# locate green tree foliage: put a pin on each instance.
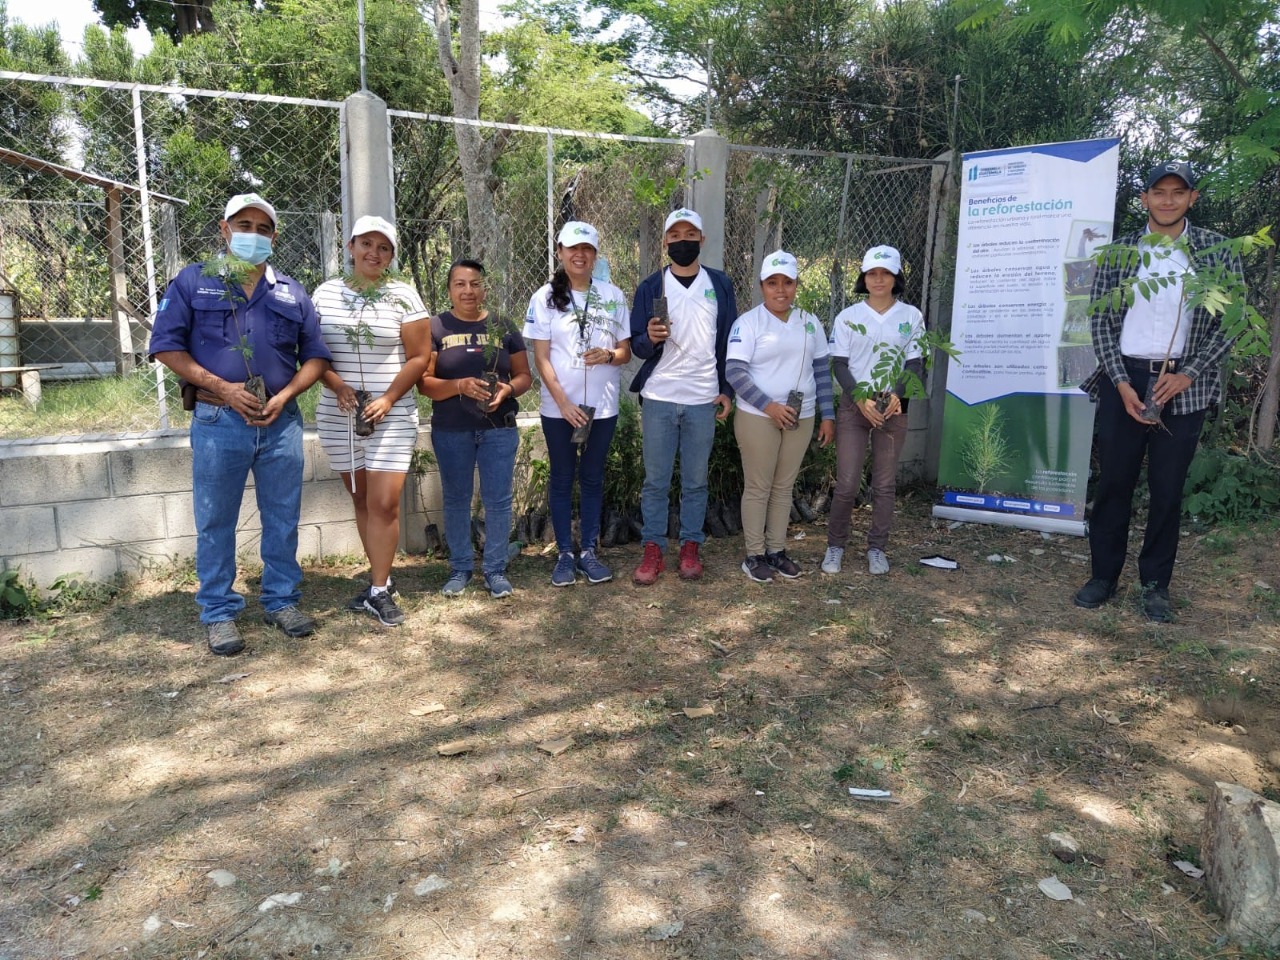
(175, 20)
(28, 115)
(849, 74)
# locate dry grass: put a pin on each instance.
(994, 711)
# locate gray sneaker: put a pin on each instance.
(498, 584)
(833, 561)
(456, 583)
(563, 575)
(291, 620)
(225, 639)
(877, 562)
(596, 571)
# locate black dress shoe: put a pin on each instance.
(1156, 606)
(1095, 593)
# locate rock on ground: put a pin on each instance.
(1240, 846)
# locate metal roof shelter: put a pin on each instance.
(120, 307)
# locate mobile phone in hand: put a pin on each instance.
(660, 312)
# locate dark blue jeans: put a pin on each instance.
(586, 462)
(224, 451)
(458, 453)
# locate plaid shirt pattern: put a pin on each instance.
(1206, 344)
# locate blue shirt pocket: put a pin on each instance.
(286, 324)
(212, 324)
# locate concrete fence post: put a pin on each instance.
(707, 192)
(367, 184)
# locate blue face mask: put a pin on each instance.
(251, 247)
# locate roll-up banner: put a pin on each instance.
(1017, 430)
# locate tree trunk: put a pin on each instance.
(1269, 405)
(475, 154)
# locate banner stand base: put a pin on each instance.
(1075, 528)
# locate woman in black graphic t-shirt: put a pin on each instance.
(473, 423)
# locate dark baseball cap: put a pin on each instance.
(1171, 168)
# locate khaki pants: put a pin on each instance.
(853, 431)
(770, 461)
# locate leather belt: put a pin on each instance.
(1151, 366)
(204, 396)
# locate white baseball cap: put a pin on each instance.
(575, 232)
(779, 262)
(883, 256)
(684, 214)
(242, 201)
(371, 224)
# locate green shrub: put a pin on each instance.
(1225, 487)
(17, 599)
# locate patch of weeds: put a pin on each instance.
(973, 738)
(1039, 799)
(858, 879)
(18, 599)
(1220, 542)
(1266, 600)
(93, 893)
(1191, 646)
(867, 771)
(72, 595)
(1106, 624)
(38, 638)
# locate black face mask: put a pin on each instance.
(684, 252)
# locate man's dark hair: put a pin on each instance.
(468, 264)
(860, 285)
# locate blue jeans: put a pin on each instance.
(224, 449)
(667, 427)
(586, 462)
(458, 453)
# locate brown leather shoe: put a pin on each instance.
(690, 562)
(647, 573)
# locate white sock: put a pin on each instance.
(375, 591)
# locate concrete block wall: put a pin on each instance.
(100, 508)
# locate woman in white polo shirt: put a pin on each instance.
(581, 336)
(776, 351)
(874, 338)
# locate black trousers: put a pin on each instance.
(1122, 445)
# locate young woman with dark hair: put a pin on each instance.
(581, 336)
(880, 331)
(478, 368)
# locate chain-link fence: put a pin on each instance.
(174, 155)
(827, 210)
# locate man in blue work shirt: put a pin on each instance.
(225, 328)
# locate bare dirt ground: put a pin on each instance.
(135, 765)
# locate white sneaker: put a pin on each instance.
(877, 562)
(832, 562)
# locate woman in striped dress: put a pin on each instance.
(379, 334)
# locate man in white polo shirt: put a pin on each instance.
(682, 387)
(1131, 345)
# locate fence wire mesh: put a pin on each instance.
(827, 210)
(196, 148)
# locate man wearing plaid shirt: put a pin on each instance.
(1131, 345)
